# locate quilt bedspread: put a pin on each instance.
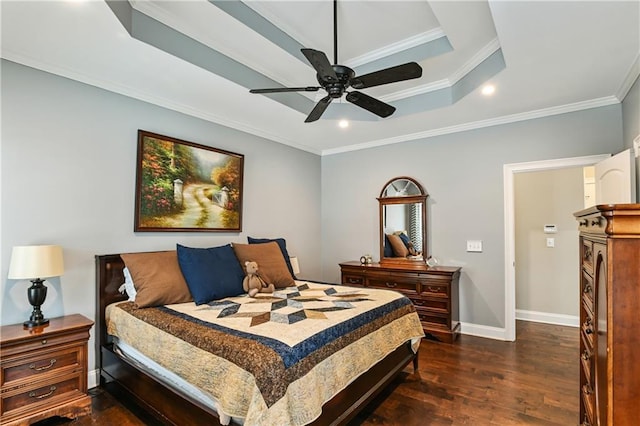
(276, 358)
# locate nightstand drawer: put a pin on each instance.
(42, 343)
(41, 396)
(40, 364)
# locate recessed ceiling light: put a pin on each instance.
(489, 89)
(343, 124)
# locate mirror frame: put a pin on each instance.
(385, 200)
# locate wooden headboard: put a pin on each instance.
(109, 277)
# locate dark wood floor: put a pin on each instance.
(475, 381)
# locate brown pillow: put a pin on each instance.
(399, 249)
(157, 278)
(271, 265)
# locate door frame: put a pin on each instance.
(509, 170)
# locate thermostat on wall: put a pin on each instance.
(550, 229)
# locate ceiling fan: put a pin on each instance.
(335, 79)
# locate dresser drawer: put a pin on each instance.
(587, 290)
(40, 364)
(434, 319)
(434, 289)
(433, 305)
(586, 254)
(351, 279)
(41, 396)
(588, 401)
(587, 327)
(394, 283)
(586, 360)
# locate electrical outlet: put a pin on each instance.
(474, 245)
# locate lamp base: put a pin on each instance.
(36, 323)
(37, 294)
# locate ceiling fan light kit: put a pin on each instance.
(336, 79)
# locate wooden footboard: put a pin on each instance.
(125, 380)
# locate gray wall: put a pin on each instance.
(68, 177)
(546, 278)
(463, 174)
(631, 125)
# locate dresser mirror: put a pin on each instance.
(403, 221)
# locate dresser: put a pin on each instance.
(433, 291)
(43, 370)
(609, 314)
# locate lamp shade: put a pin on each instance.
(29, 262)
(295, 265)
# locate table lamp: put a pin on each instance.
(34, 263)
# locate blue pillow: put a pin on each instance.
(282, 243)
(405, 239)
(211, 273)
(388, 250)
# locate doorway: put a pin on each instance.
(509, 170)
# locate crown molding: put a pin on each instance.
(393, 48)
(513, 118)
(630, 78)
(479, 57)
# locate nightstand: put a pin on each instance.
(43, 370)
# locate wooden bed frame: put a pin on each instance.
(125, 380)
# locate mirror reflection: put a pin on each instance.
(402, 221)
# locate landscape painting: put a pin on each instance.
(184, 186)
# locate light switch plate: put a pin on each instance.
(551, 242)
(474, 245)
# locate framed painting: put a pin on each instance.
(183, 186)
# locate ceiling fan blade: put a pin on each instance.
(373, 105)
(321, 64)
(317, 111)
(286, 89)
(403, 72)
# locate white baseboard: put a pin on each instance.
(486, 331)
(92, 378)
(548, 318)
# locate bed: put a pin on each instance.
(129, 377)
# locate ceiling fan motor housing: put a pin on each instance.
(336, 89)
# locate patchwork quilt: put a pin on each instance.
(276, 358)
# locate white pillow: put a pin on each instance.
(128, 285)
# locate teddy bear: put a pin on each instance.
(253, 283)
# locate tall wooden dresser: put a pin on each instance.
(433, 291)
(609, 314)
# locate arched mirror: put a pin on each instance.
(403, 221)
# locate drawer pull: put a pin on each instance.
(44, 367)
(433, 289)
(587, 326)
(586, 389)
(595, 222)
(52, 389)
(392, 285)
(586, 355)
(354, 280)
(44, 341)
(584, 222)
(587, 289)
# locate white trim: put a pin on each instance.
(485, 331)
(509, 229)
(479, 57)
(393, 48)
(548, 318)
(630, 78)
(513, 118)
(93, 377)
